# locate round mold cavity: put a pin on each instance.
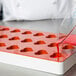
(13, 47)
(15, 38)
(28, 49)
(40, 42)
(27, 32)
(55, 55)
(27, 40)
(39, 34)
(51, 36)
(41, 52)
(4, 29)
(3, 36)
(68, 46)
(16, 30)
(2, 44)
(52, 45)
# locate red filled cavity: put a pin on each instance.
(40, 42)
(13, 47)
(4, 29)
(2, 44)
(68, 46)
(27, 50)
(51, 36)
(62, 37)
(27, 40)
(3, 36)
(55, 55)
(52, 45)
(39, 34)
(15, 38)
(16, 30)
(40, 52)
(27, 32)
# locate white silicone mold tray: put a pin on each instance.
(41, 46)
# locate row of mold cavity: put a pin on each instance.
(40, 52)
(28, 32)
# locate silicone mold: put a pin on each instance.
(34, 49)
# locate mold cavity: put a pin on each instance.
(68, 46)
(55, 55)
(16, 30)
(2, 44)
(3, 36)
(27, 32)
(15, 38)
(4, 29)
(40, 42)
(13, 47)
(51, 36)
(27, 40)
(52, 45)
(62, 37)
(39, 34)
(40, 52)
(27, 50)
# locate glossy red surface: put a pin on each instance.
(41, 45)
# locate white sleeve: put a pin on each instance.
(29, 9)
(74, 9)
(63, 8)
